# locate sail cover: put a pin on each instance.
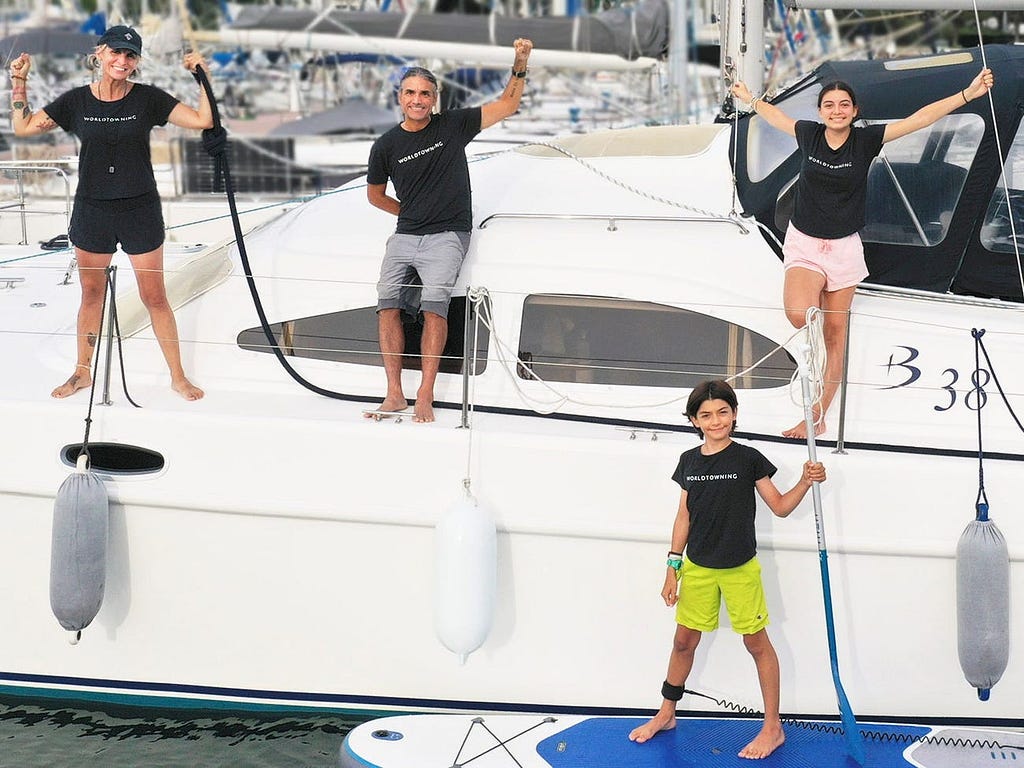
(639, 31)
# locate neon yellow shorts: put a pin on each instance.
(701, 591)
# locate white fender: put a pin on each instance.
(78, 556)
(466, 576)
(983, 605)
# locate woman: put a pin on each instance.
(823, 254)
(116, 201)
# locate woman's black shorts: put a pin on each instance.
(137, 223)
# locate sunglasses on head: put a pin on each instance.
(130, 54)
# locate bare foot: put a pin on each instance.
(660, 722)
(423, 413)
(187, 389)
(390, 405)
(80, 379)
(767, 741)
(799, 430)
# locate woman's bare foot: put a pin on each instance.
(187, 389)
(799, 430)
(80, 379)
(660, 722)
(767, 741)
(390, 405)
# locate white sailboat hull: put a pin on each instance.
(284, 554)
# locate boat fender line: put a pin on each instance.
(466, 576)
(78, 544)
(982, 580)
(215, 142)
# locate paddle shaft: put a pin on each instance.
(851, 732)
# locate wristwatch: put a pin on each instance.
(519, 74)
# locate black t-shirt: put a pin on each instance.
(430, 172)
(720, 498)
(831, 193)
(114, 160)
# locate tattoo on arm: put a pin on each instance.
(91, 338)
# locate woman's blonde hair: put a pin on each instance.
(92, 61)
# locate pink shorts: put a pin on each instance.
(840, 261)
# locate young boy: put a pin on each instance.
(715, 527)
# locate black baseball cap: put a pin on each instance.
(122, 37)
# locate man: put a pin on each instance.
(424, 157)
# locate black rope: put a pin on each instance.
(981, 502)
(882, 737)
(95, 371)
(215, 142)
(995, 380)
(117, 335)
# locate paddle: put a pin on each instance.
(854, 740)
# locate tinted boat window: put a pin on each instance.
(996, 233)
(595, 340)
(350, 336)
(768, 147)
(914, 186)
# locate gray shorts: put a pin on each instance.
(419, 272)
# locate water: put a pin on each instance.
(34, 734)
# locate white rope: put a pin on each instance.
(999, 156)
(817, 360)
(475, 297)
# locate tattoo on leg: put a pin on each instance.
(26, 112)
(91, 338)
(19, 104)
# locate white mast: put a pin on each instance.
(678, 62)
(743, 58)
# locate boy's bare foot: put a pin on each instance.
(660, 722)
(187, 389)
(423, 413)
(767, 741)
(799, 430)
(80, 379)
(390, 405)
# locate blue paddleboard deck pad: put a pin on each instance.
(503, 741)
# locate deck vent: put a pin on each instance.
(116, 459)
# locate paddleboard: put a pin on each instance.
(507, 741)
